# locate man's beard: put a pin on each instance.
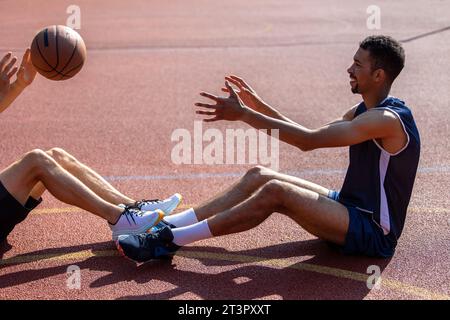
(355, 89)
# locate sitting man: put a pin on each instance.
(70, 181)
(368, 214)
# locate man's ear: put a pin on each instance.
(379, 75)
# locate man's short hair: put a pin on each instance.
(386, 53)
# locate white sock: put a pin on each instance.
(182, 219)
(192, 233)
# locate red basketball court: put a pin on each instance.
(146, 64)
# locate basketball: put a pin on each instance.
(58, 52)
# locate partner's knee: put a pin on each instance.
(34, 157)
(61, 156)
(37, 160)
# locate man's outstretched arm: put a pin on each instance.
(369, 125)
(252, 100)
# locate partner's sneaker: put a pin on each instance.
(166, 205)
(134, 221)
(147, 246)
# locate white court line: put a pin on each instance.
(299, 173)
(414, 209)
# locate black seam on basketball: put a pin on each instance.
(65, 74)
(57, 49)
(42, 69)
(76, 67)
(53, 70)
(58, 74)
(55, 75)
(42, 56)
(73, 53)
(47, 71)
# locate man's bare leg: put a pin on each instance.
(37, 166)
(246, 186)
(86, 175)
(317, 214)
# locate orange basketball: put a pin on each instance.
(58, 52)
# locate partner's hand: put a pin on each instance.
(27, 72)
(231, 108)
(6, 73)
(246, 93)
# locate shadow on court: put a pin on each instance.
(243, 281)
(4, 248)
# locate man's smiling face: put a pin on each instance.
(360, 72)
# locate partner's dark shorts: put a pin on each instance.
(364, 236)
(12, 211)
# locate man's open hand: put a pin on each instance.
(245, 92)
(231, 108)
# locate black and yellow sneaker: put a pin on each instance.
(148, 246)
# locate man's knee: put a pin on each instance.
(272, 192)
(257, 176)
(274, 187)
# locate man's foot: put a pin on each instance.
(147, 246)
(133, 221)
(166, 205)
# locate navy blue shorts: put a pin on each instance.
(12, 211)
(364, 236)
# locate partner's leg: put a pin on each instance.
(37, 166)
(37, 191)
(86, 175)
(317, 214)
(246, 186)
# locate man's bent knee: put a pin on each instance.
(257, 176)
(274, 187)
(259, 171)
(271, 193)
